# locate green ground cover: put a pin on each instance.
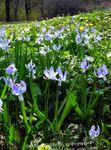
(55, 83)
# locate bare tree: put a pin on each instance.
(7, 8)
(15, 5)
(27, 9)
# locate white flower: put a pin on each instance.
(31, 67)
(62, 77)
(50, 74)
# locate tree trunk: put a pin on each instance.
(27, 9)
(16, 10)
(7, 8)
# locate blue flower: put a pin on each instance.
(97, 38)
(11, 69)
(2, 32)
(4, 44)
(50, 74)
(27, 38)
(8, 81)
(56, 47)
(93, 29)
(102, 71)
(62, 77)
(31, 67)
(48, 37)
(78, 38)
(18, 88)
(84, 65)
(94, 132)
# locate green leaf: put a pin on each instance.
(13, 136)
(1, 117)
(72, 98)
(35, 90)
(11, 133)
(66, 110)
(105, 140)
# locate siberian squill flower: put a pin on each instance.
(43, 51)
(10, 70)
(50, 74)
(94, 132)
(18, 89)
(84, 65)
(56, 47)
(2, 32)
(102, 72)
(97, 38)
(43, 29)
(62, 77)
(27, 38)
(31, 67)
(48, 37)
(8, 81)
(4, 44)
(78, 39)
(1, 104)
(93, 29)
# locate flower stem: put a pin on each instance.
(24, 116)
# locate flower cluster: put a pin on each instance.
(4, 42)
(16, 88)
(84, 65)
(100, 72)
(83, 37)
(50, 74)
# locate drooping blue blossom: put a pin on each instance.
(48, 37)
(10, 70)
(2, 32)
(39, 40)
(52, 27)
(31, 67)
(76, 29)
(27, 38)
(43, 29)
(56, 47)
(50, 74)
(86, 29)
(1, 104)
(4, 44)
(62, 77)
(97, 38)
(8, 81)
(102, 72)
(94, 132)
(85, 36)
(93, 29)
(84, 65)
(44, 50)
(18, 89)
(78, 39)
